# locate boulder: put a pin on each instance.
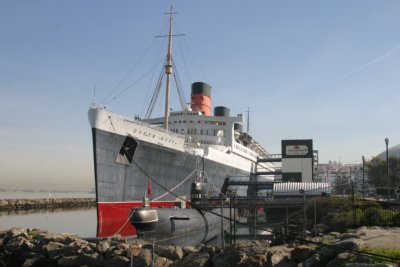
(348, 236)
(171, 252)
(119, 261)
(335, 234)
(340, 259)
(278, 258)
(302, 252)
(68, 261)
(162, 262)
(53, 249)
(189, 250)
(208, 249)
(200, 259)
(31, 261)
(103, 245)
(134, 250)
(228, 258)
(362, 231)
(313, 261)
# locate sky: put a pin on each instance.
(321, 70)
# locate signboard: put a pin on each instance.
(297, 148)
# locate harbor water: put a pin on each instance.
(80, 221)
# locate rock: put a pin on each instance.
(102, 246)
(162, 262)
(227, 258)
(250, 262)
(278, 258)
(53, 249)
(32, 261)
(119, 261)
(302, 252)
(208, 249)
(201, 259)
(118, 252)
(352, 243)
(89, 259)
(362, 231)
(134, 250)
(334, 234)
(171, 252)
(122, 246)
(189, 250)
(45, 261)
(146, 256)
(252, 248)
(15, 244)
(340, 259)
(68, 261)
(348, 236)
(55, 237)
(313, 261)
(13, 233)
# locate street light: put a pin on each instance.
(363, 166)
(302, 191)
(387, 167)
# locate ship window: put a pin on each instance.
(127, 151)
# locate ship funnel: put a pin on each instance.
(221, 111)
(201, 98)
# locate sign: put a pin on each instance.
(296, 150)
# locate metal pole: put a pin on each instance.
(230, 220)
(302, 191)
(234, 217)
(315, 218)
(352, 198)
(387, 166)
(287, 220)
(255, 222)
(363, 168)
(222, 224)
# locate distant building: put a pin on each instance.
(341, 176)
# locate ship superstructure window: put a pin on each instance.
(127, 151)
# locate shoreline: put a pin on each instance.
(45, 203)
(34, 247)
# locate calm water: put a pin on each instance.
(82, 222)
(33, 195)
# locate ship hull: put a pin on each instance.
(121, 187)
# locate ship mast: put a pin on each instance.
(168, 70)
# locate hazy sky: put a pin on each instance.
(325, 70)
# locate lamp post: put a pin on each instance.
(363, 168)
(304, 234)
(387, 167)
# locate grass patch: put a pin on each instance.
(388, 252)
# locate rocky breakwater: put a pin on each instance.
(50, 203)
(32, 247)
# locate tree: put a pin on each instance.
(376, 170)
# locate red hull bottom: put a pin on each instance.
(113, 217)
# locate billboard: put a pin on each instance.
(297, 160)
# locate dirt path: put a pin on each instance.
(382, 237)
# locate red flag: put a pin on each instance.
(148, 186)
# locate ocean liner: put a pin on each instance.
(160, 157)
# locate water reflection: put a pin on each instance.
(38, 211)
(80, 221)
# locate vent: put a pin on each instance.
(127, 151)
